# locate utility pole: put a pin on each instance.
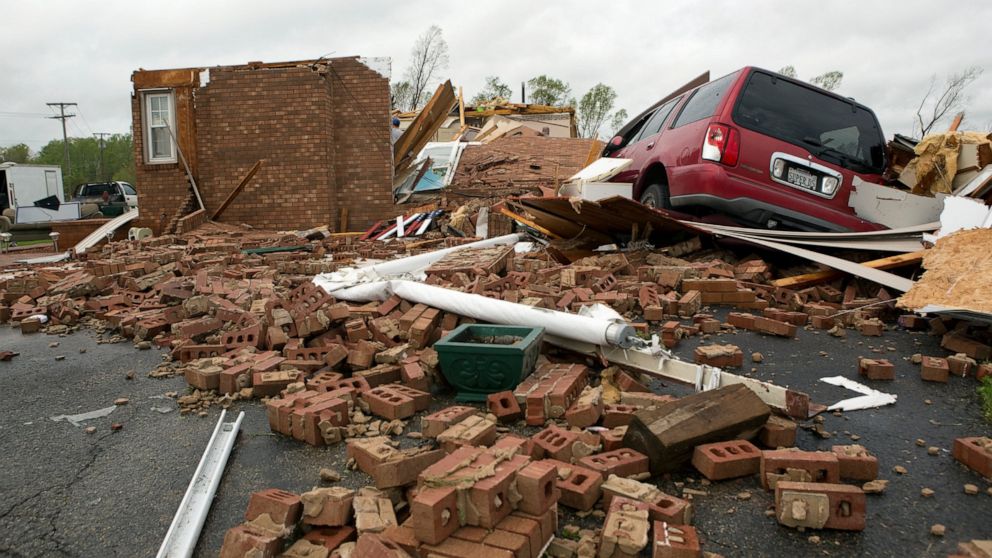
(65, 137)
(99, 136)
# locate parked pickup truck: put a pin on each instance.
(767, 150)
(116, 192)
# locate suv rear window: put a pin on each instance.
(704, 101)
(832, 129)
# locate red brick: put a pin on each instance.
(975, 453)
(622, 462)
(283, 508)
(243, 540)
(856, 463)
(774, 327)
(504, 405)
(434, 514)
(675, 541)
(580, 487)
(934, 369)
(329, 507)
(536, 485)
(618, 415)
(727, 460)
(555, 443)
(876, 369)
(802, 504)
(958, 343)
(778, 432)
(434, 424)
(816, 466)
(373, 545)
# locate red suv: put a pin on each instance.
(767, 150)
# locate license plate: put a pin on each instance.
(801, 178)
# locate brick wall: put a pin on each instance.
(323, 133)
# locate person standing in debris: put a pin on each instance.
(395, 132)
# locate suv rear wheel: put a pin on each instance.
(656, 196)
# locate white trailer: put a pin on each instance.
(22, 185)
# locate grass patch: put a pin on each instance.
(985, 390)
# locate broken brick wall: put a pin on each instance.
(322, 130)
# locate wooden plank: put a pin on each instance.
(237, 190)
(527, 222)
(818, 277)
(424, 126)
(151, 79)
(667, 434)
(956, 122)
(343, 220)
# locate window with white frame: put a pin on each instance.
(160, 125)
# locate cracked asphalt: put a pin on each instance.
(64, 492)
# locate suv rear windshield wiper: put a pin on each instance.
(844, 157)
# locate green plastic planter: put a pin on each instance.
(476, 365)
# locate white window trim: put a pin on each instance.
(146, 96)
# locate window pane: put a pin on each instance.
(704, 102)
(161, 147)
(835, 129)
(654, 125)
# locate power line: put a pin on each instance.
(65, 137)
(13, 114)
(85, 122)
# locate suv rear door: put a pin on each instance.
(795, 136)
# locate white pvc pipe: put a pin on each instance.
(597, 331)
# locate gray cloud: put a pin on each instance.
(85, 52)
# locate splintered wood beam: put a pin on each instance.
(237, 190)
(817, 277)
(528, 222)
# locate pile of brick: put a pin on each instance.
(241, 319)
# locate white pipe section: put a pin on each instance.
(332, 282)
(597, 331)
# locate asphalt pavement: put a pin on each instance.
(64, 492)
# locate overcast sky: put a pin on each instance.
(85, 52)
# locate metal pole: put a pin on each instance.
(65, 136)
(100, 135)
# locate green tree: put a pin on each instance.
(84, 157)
(617, 121)
(19, 153)
(494, 89)
(400, 94)
(545, 90)
(594, 108)
(827, 80)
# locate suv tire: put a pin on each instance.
(656, 196)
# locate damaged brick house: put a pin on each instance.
(320, 126)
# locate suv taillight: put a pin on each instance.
(722, 144)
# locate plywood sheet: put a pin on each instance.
(958, 274)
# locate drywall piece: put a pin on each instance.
(76, 420)
(870, 398)
(883, 278)
(975, 185)
(601, 170)
(594, 191)
(892, 207)
(898, 245)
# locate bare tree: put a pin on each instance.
(429, 58)
(934, 108)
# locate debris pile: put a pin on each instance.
(241, 318)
